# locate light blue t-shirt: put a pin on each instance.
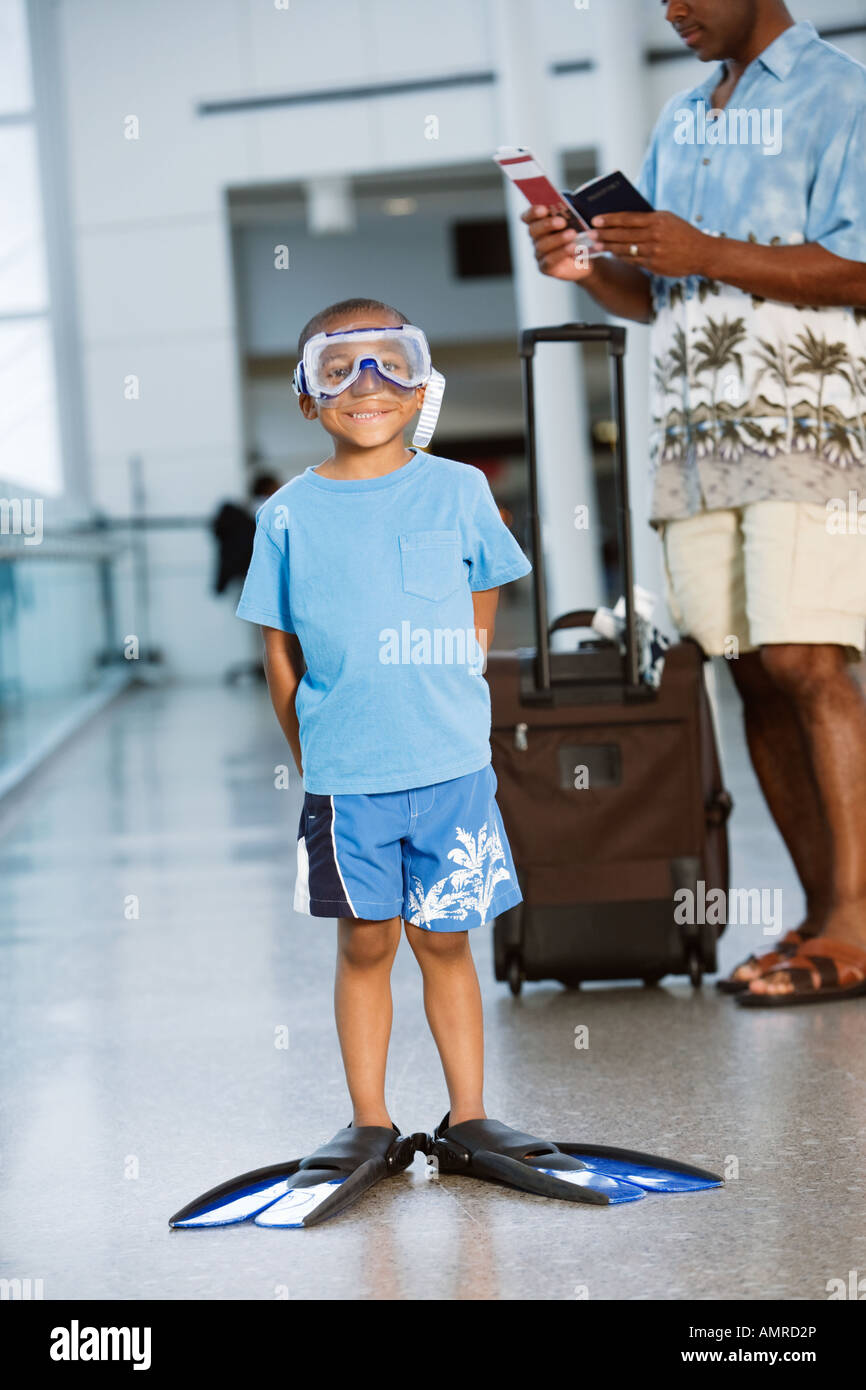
(375, 576)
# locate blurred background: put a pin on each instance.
(184, 184)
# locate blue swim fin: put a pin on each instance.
(304, 1191)
(650, 1172)
(592, 1173)
(494, 1152)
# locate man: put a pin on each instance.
(748, 273)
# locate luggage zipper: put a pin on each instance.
(520, 740)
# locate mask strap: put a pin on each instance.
(433, 394)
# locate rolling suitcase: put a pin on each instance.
(610, 789)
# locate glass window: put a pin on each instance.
(22, 260)
(16, 93)
(29, 445)
(29, 438)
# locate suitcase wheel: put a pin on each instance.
(515, 975)
(696, 969)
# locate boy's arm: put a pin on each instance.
(284, 667)
(484, 602)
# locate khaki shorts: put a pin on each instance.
(767, 572)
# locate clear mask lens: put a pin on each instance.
(386, 362)
(366, 376)
(334, 362)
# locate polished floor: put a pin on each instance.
(165, 1022)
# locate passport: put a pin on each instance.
(610, 193)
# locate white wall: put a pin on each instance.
(405, 260)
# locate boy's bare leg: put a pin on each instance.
(363, 1010)
(452, 1002)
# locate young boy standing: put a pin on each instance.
(362, 565)
(375, 577)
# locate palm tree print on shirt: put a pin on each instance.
(752, 398)
(468, 888)
(857, 369)
(672, 376)
(665, 376)
(841, 446)
(819, 359)
(796, 369)
(717, 345)
(775, 362)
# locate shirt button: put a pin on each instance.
(705, 160)
(699, 218)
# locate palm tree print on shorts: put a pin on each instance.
(468, 888)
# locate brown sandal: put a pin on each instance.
(822, 970)
(787, 947)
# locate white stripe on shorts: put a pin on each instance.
(336, 860)
(302, 879)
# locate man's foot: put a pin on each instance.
(756, 966)
(831, 965)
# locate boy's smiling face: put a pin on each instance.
(371, 412)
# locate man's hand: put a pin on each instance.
(659, 242)
(556, 245)
(623, 290)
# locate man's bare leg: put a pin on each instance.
(780, 756)
(364, 1011)
(452, 1002)
(831, 709)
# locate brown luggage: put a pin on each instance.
(610, 790)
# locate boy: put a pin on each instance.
(374, 537)
(380, 569)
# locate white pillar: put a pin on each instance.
(573, 567)
(622, 94)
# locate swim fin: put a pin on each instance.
(304, 1191)
(589, 1173)
(651, 1172)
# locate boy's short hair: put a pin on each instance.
(319, 322)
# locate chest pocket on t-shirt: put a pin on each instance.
(431, 562)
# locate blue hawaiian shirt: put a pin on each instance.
(754, 399)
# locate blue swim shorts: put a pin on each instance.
(438, 855)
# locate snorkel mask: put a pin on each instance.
(400, 357)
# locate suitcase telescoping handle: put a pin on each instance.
(614, 337)
(581, 617)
